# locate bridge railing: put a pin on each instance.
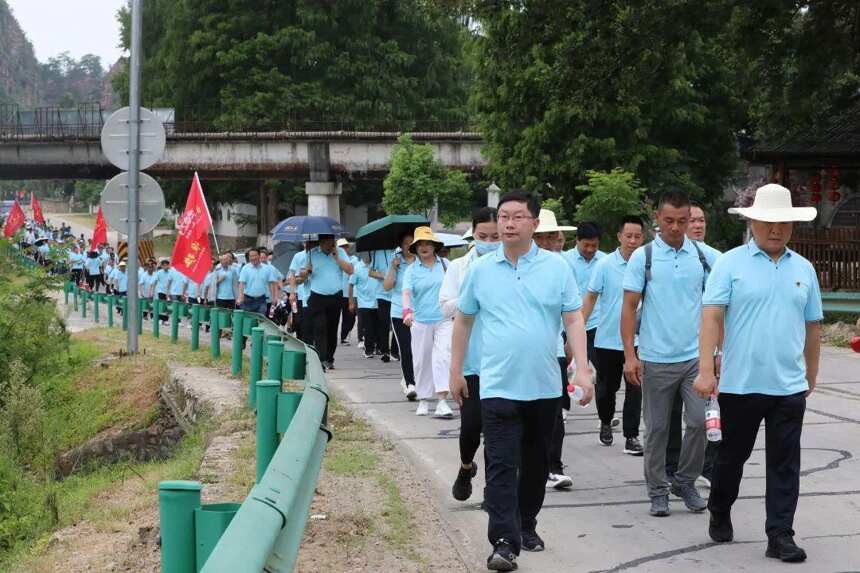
(264, 531)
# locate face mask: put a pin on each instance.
(484, 247)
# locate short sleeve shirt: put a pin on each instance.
(363, 287)
(396, 292)
(162, 277)
(225, 289)
(767, 305)
(672, 309)
(256, 279)
(582, 270)
(380, 261)
(606, 281)
(300, 261)
(520, 308)
(93, 265)
(424, 283)
(326, 277)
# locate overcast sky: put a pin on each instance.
(75, 26)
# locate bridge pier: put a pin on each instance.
(324, 198)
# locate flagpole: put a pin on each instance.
(208, 214)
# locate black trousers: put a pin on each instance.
(94, 281)
(367, 328)
(404, 343)
(517, 436)
(589, 338)
(741, 415)
(555, 464)
(347, 319)
(225, 303)
(470, 420)
(610, 371)
(383, 320)
(673, 446)
(324, 311)
(303, 325)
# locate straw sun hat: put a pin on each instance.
(772, 204)
(424, 234)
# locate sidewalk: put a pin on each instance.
(603, 524)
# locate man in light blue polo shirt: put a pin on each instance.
(299, 279)
(326, 264)
(226, 282)
(380, 261)
(518, 293)
(347, 318)
(361, 292)
(768, 299)
(668, 347)
(177, 285)
(583, 259)
(605, 283)
(255, 280)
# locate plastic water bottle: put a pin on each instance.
(712, 420)
(576, 392)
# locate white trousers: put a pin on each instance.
(431, 357)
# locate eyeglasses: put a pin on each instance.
(518, 218)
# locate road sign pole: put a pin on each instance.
(134, 170)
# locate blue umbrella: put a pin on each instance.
(305, 227)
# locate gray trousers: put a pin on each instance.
(660, 384)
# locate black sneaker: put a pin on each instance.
(328, 365)
(782, 547)
(690, 495)
(633, 447)
(606, 434)
(503, 557)
(531, 541)
(720, 528)
(659, 506)
(462, 489)
(385, 358)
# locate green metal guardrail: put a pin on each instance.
(264, 532)
(841, 302)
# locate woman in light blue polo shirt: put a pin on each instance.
(393, 283)
(431, 332)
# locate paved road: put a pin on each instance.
(602, 524)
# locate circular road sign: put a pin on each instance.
(115, 134)
(114, 203)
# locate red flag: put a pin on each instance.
(191, 255)
(14, 220)
(100, 232)
(37, 209)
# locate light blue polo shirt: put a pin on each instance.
(224, 289)
(672, 310)
(256, 279)
(345, 281)
(178, 281)
(93, 265)
(161, 279)
(326, 277)
(396, 291)
(582, 270)
(120, 279)
(767, 307)
(76, 260)
(606, 281)
(363, 287)
(380, 261)
(424, 284)
(708, 250)
(147, 281)
(299, 261)
(520, 308)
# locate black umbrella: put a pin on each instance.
(384, 233)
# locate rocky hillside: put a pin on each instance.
(20, 72)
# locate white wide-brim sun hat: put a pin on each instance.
(772, 204)
(547, 223)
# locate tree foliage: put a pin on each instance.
(609, 197)
(416, 182)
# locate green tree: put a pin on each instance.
(416, 182)
(609, 197)
(646, 86)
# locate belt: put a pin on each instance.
(255, 297)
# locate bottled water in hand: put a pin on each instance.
(713, 428)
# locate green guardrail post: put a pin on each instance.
(75, 297)
(238, 343)
(145, 305)
(174, 321)
(293, 365)
(111, 301)
(177, 501)
(84, 296)
(267, 423)
(97, 299)
(157, 304)
(256, 369)
(124, 306)
(288, 403)
(195, 327)
(274, 356)
(210, 522)
(66, 294)
(214, 333)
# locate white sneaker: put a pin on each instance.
(559, 481)
(361, 344)
(423, 408)
(564, 415)
(403, 385)
(443, 410)
(411, 394)
(703, 482)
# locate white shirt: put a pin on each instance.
(450, 290)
